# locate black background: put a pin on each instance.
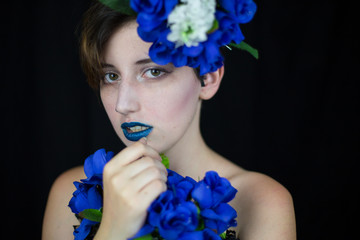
(293, 114)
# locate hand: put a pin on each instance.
(133, 179)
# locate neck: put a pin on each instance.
(190, 156)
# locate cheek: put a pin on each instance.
(184, 102)
(108, 99)
(177, 105)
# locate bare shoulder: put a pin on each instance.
(58, 219)
(265, 207)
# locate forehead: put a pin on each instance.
(125, 45)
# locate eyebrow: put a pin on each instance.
(143, 61)
(107, 65)
(139, 62)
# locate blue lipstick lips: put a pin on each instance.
(134, 131)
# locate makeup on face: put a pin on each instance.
(134, 131)
(163, 95)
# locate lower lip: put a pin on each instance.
(136, 136)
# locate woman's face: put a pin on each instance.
(142, 98)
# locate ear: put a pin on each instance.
(212, 83)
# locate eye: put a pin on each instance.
(111, 77)
(154, 73)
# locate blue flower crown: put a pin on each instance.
(189, 32)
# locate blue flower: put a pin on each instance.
(153, 27)
(85, 197)
(94, 166)
(180, 219)
(244, 10)
(161, 50)
(160, 205)
(209, 234)
(84, 229)
(196, 235)
(153, 35)
(219, 218)
(205, 234)
(180, 186)
(173, 178)
(170, 213)
(152, 13)
(156, 26)
(210, 59)
(213, 190)
(183, 188)
(229, 28)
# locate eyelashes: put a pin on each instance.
(148, 74)
(111, 77)
(154, 73)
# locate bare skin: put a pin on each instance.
(170, 102)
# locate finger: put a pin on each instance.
(146, 176)
(151, 191)
(133, 188)
(126, 173)
(139, 149)
(142, 164)
(129, 155)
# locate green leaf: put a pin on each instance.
(122, 6)
(246, 47)
(92, 215)
(223, 235)
(201, 225)
(145, 237)
(165, 160)
(214, 27)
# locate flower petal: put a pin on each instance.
(210, 235)
(94, 198)
(88, 166)
(99, 161)
(193, 51)
(83, 230)
(196, 235)
(202, 195)
(224, 212)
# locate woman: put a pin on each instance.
(156, 109)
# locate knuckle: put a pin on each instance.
(155, 172)
(106, 170)
(159, 185)
(114, 182)
(148, 161)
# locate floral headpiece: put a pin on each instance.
(189, 32)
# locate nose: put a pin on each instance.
(127, 99)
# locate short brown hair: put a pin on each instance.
(98, 24)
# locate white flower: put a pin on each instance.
(190, 21)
